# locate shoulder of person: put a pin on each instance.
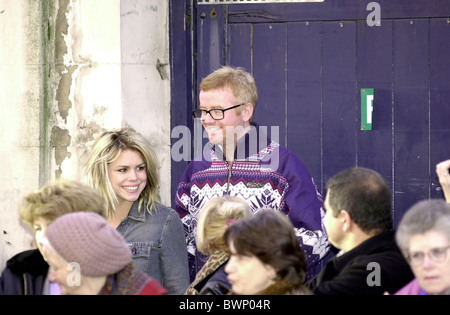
(164, 213)
(159, 207)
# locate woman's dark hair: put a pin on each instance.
(269, 236)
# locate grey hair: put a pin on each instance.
(422, 217)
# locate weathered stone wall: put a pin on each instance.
(70, 69)
(19, 117)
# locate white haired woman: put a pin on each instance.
(424, 238)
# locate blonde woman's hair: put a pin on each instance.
(215, 217)
(60, 197)
(107, 149)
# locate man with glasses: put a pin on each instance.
(242, 161)
(423, 236)
(359, 222)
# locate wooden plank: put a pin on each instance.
(239, 48)
(210, 39)
(335, 10)
(374, 70)
(269, 59)
(339, 97)
(439, 98)
(304, 95)
(181, 81)
(411, 123)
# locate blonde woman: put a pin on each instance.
(122, 166)
(215, 218)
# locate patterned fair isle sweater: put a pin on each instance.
(270, 177)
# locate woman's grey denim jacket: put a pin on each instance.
(158, 245)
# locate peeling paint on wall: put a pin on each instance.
(83, 67)
(61, 30)
(63, 92)
(60, 140)
(87, 132)
(63, 70)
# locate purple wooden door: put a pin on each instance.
(310, 62)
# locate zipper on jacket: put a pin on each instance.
(230, 166)
(25, 287)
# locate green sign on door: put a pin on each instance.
(367, 97)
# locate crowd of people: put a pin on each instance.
(247, 219)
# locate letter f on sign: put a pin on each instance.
(367, 98)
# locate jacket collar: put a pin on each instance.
(384, 240)
(30, 261)
(137, 215)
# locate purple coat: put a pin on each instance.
(412, 288)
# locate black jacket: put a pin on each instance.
(371, 268)
(25, 274)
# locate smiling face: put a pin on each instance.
(236, 119)
(128, 176)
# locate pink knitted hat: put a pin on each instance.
(87, 239)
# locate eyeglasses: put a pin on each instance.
(437, 254)
(216, 114)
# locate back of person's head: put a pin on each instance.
(86, 238)
(237, 79)
(215, 217)
(106, 149)
(365, 195)
(58, 198)
(269, 235)
(424, 216)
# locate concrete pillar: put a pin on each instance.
(70, 69)
(146, 77)
(19, 118)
